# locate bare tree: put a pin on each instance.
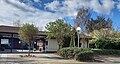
(17, 23)
(82, 19)
(99, 23)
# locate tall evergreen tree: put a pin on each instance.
(59, 30)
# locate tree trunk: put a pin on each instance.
(71, 42)
(29, 49)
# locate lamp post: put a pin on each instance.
(78, 32)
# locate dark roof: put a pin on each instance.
(11, 29)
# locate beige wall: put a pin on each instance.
(84, 45)
(52, 45)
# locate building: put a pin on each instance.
(9, 40)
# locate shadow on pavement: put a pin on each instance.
(59, 58)
(14, 60)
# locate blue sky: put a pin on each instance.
(41, 12)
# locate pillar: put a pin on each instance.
(11, 42)
(87, 43)
(0, 44)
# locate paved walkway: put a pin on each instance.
(51, 59)
(39, 59)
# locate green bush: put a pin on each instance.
(106, 52)
(107, 44)
(67, 52)
(79, 50)
(84, 56)
(70, 52)
(100, 43)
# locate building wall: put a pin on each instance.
(84, 45)
(52, 45)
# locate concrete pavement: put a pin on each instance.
(39, 59)
(50, 58)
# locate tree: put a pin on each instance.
(17, 23)
(98, 24)
(27, 33)
(106, 38)
(104, 34)
(82, 18)
(59, 30)
(72, 35)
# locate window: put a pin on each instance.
(4, 41)
(5, 35)
(15, 35)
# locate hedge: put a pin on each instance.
(67, 52)
(71, 52)
(106, 52)
(107, 44)
(78, 50)
(83, 54)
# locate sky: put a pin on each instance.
(41, 12)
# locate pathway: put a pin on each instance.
(39, 59)
(48, 58)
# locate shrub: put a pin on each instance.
(100, 43)
(106, 52)
(107, 44)
(79, 50)
(67, 52)
(84, 56)
(70, 52)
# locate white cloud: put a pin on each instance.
(73, 5)
(53, 5)
(13, 10)
(105, 8)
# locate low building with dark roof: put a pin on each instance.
(9, 39)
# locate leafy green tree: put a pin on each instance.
(28, 33)
(106, 38)
(104, 34)
(59, 30)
